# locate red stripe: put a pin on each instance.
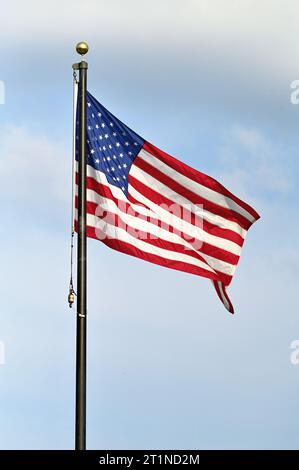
(194, 220)
(208, 227)
(114, 219)
(197, 176)
(129, 249)
(104, 190)
(231, 308)
(187, 215)
(210, 206)
(206, 248)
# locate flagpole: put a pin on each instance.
(80, 431)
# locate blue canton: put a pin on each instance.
(111, 145)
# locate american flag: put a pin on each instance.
(145, 203)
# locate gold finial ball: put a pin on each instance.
(82, 48)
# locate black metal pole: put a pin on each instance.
(81, 267)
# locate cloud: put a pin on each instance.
(255, 163)
(35, 171)
(166, 56)
(245, 30)
(167, 366)
(203, 18)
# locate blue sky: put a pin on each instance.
(168, 367)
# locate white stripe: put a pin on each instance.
(117, 233)
(101, 178)
(186, 227)
(155, 211)
(158, 212)
(224, 299)
(197, 188)
(169, 193)
(153, 231)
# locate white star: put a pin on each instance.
(135, 143)
(119, 166)
(108, 170)
(99, 114)
(89, 128)
(123, 188)
(104, 148)
(117, 178)
(112, 168)
(97, 160)
(92, 151)
(124, 165)
(114, 156)
(121, 155)
(103, 125)
(92, 115)
(97, 126)
(111, 124)
(101, 137)
(117, 144)
(114, 134)
(110, 146)
(108, 159)
(106, 136)
(89, 104)
(127, 143)
(124, 177)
